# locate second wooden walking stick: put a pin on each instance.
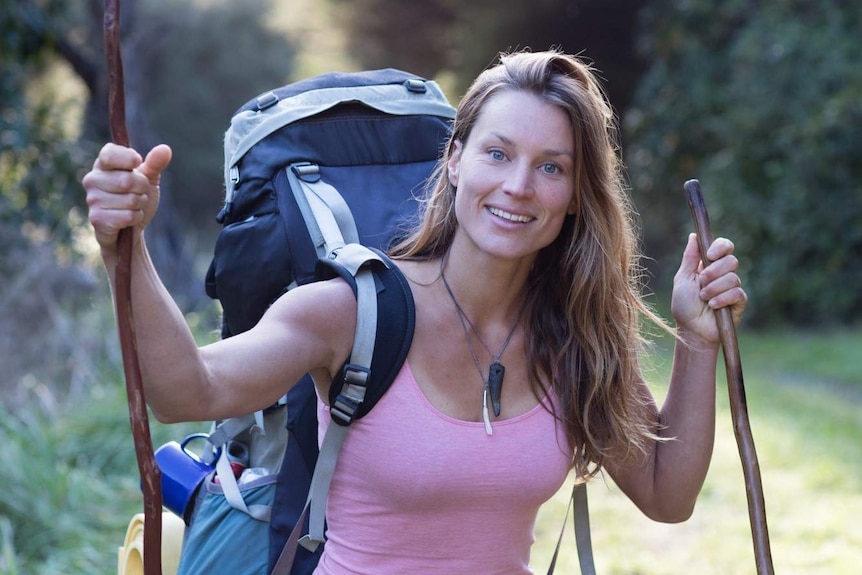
(736, 389)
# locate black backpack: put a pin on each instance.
(320, 176)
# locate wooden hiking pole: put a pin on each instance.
(736, 389)
(151, 475)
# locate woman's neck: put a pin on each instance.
(488, 289)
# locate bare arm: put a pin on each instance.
(665, 482)
(239, 375)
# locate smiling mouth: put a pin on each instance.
(510, 217)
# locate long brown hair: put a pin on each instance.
(584, 290)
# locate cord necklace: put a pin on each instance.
(493, 384)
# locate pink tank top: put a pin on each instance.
(416, 491)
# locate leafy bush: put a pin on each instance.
(763, 103)
(70, 476)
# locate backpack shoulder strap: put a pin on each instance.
(385, 321)
(384, 348)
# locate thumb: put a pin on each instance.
(155, 163)
(691, 259)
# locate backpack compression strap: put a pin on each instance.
(327, 216)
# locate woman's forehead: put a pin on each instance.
(517, 116)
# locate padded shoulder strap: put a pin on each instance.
(384, 333)
(396, 320)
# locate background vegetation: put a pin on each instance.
(762, 101)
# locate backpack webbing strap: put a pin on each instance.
(320, 481)
(232, 494)
(327, 216)
(582, 529)
(352, 393)
(353, 257)
(578, 500)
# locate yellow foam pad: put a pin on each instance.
(131, 554)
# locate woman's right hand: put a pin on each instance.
(123, 191)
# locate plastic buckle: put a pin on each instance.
(415, 86)
(352, 394)
(265, 101)
(309, 544)
(307, 172)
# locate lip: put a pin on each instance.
(509, 216)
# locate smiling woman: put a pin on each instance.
(524, 361)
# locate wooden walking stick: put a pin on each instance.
(151, 475)
(736, 389)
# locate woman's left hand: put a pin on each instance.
(699, 291)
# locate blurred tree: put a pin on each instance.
(200, 64)
(188, 66)
(38, 161)
(414, 36)
(44, 157)
(762, 101)
(40, 193)
(463, 38)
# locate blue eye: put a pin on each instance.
(497, 155)
(551, 169)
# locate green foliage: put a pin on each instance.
(70, 478)
(762, 102)
(39, 162)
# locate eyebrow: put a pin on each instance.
(546, 151)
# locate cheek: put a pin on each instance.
(560, 199)
(461, 202)
(560, 206)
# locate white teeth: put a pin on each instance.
(511, 217)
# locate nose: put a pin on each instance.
(519, 180)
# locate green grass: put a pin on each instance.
(70, 481)
(69, 476)
(805, 407)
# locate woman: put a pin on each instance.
(524, 363)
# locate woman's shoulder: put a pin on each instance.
(326, 299)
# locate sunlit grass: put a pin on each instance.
(806, 418)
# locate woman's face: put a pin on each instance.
(514, 175)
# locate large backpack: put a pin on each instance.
(316, 173)
(319, 176)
